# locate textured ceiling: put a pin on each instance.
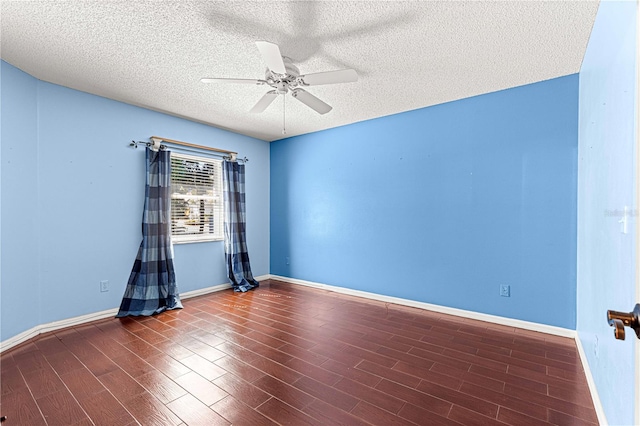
(408, 54)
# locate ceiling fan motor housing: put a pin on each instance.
(283, 82)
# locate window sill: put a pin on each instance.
(200, 240)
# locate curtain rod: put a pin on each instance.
(157, 144)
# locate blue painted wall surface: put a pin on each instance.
(90, 190)
(19, 276)
(606, 257)
(439, 205)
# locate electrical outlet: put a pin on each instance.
(595, 348)
(505, 290)
(104, 286)
(287, 260)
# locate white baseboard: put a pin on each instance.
(56, 325)
(70, 322)
(597, 404)
(527, 325)
(203, 291)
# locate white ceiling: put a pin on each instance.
(408, 54)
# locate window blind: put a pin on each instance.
(196, 199)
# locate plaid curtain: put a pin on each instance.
(152, 284)
(235, 240)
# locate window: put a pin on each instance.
(196, 199)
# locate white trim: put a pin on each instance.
(533, 326)
(56, 325)
(637, 165)
(193, 240)
(202, 291)
(597, 404)
(263, 277)
(207, 290)
(82, 319)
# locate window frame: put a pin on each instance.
(217, 210)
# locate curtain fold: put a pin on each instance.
(151, 288)
(235, 240)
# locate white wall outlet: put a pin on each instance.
(104, 286)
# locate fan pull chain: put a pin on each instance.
(284, 113)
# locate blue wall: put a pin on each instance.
(606, 176)
(439, 205)
(72, 198)
(20, 243)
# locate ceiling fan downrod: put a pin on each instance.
(284, 109)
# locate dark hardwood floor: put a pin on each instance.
(291, 355)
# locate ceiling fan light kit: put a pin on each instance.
(284, 77)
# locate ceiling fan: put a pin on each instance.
(284, 77)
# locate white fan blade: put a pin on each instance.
(271, 54)
(330, 77)
(311, 101)
(264, 102)
(232, 80)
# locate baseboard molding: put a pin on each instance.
(70, 322)
(220, 287)
(533, 326)
(203, 291)
(56, 325)
(597, 404)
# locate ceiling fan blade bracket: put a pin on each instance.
(300, 82)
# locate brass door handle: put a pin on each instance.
(620, 320)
